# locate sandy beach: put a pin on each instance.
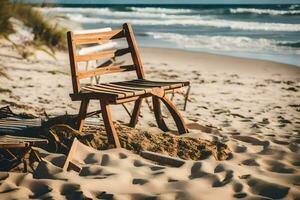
(250, 105)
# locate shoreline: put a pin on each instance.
(213, 58)
(223, 54)
(246, 55)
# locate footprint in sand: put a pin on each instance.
(104, 195)
(281, 142)
(267, 189)
(227, 179)
(251, 140)
(237, 186)
(138, 163)
(139, 181)
(295, 160)
(197, 126)
(122, 156)
(95, 170)
(278, 167)
(156, 168)
(250, 162)
(47, 170)
(39, 190)
(240, 195)
(196, 171)
(239, 149)
(296, 180)
(105, 160)
(91, 158)
(219, 168)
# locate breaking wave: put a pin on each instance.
(263, 11)
(226, 43)
(192, 21)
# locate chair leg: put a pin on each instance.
(157, 113)
(135, 112)
(112, 136)
(82, 113)
(175, 114)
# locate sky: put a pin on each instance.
(167, 1)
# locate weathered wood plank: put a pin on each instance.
(136, 112)
(82, 113)
(134, 50)
(98, 90)
(105, 70)
(73, 64)
(91, 38)
(162, 159)
(112, 135)
(102, 55)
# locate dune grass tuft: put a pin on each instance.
(5, 14)
(44, 31)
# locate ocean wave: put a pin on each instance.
(224, 43)
(73, 10)
(263, 11)
(289, 44)
(199, 21)
(160, 10)
(108, 12)
(294, 6)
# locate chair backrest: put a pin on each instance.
(103, 40)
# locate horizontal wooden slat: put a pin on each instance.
(98, 90)
(97, 48)
(126, 91)
(119, 89)
(86, 31)
(91, 38)
(105, 70)
(150, 84)
(114, 90)
(102, 55)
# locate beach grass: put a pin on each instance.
(5, 14)
(45, 33)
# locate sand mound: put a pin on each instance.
(138, 140)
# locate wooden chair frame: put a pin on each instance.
(26, 148)
(157, 93)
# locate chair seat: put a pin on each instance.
(125, 89)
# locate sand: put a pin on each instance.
(250, 105)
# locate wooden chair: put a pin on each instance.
(121, 91)
(19, 150)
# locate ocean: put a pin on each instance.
(268, 32)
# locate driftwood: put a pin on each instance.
(162, 159)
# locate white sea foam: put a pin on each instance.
(199, 21)
(73, 10)
(106, 12)
(264, 11)
(223, 43)
(160, 10)
(294, 6)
